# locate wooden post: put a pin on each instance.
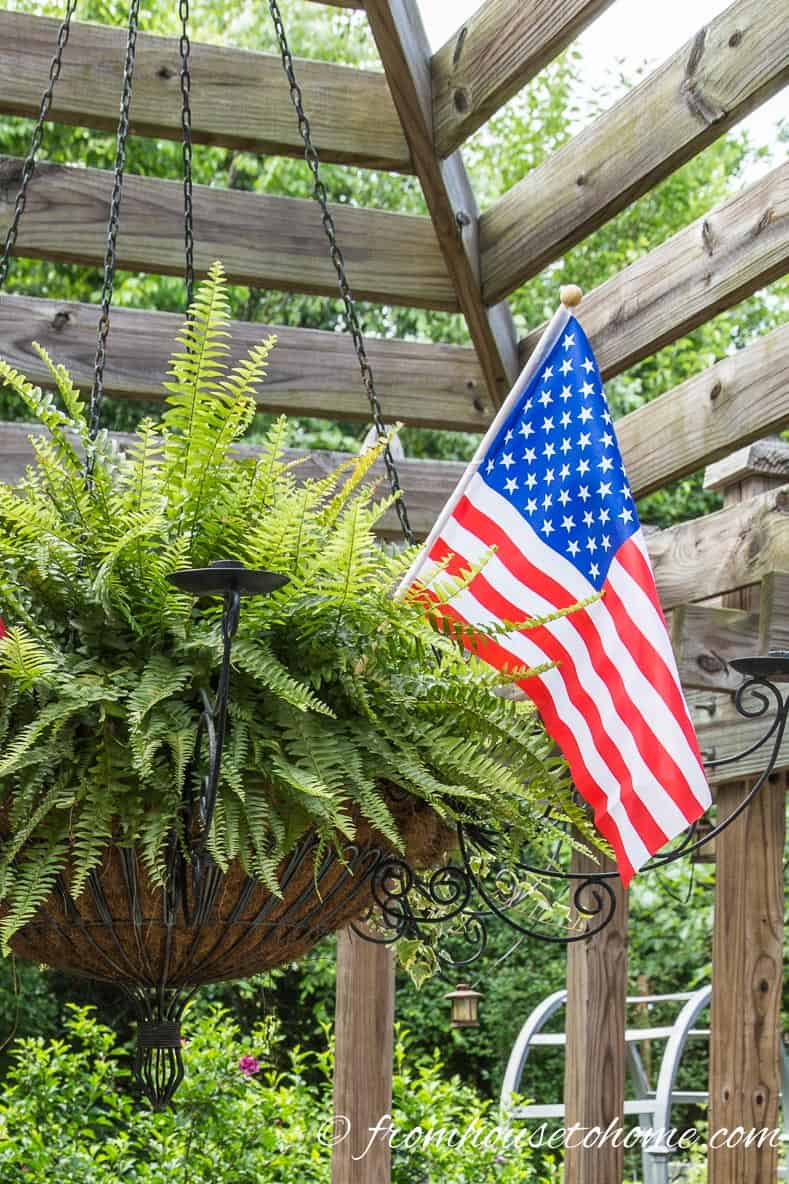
(747, 955)
(594, 1076)
(364, 1026)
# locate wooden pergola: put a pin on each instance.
(722, 579)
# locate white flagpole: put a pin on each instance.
(570, 297)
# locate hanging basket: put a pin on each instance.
(216, 925)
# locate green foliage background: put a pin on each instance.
(671, 918)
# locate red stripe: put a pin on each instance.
(663, 678)
(642, 820)
(496, 655)
(652, 749)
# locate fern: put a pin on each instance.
(337, 687)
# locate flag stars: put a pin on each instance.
(566, 366)
(549, 450)
(531, 481)
(565, 445)
(569, 340)
(584, 440)
(508, 460)
(573, 547)
(545, 398)
(565, 394)
(565, 419)
(604, 489)
(526, 430)
(547, 527)
(605, 543)
(591, 545)
(564, 472)
(530, 456)
(547, 424)
(607, 440)
(583, 467)
(564, 496)
(508, 437)
(594, 571)
(491, 465)
(604, 516)
(547, 502)
(510, 485)
(588, 518)
(606, 464)
(585, 414)
(583, 493)
(587, 389)
(531, 506)
(625, 491)
(568, 522)
(547, 373)
(626, 515)
(587, 365)
(606, 416)
(550, 476)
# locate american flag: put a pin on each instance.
(548, 490)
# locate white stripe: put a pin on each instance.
(647, 621)
(529, 654)
(650, 791)
(642, 612)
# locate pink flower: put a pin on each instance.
(249, 1066)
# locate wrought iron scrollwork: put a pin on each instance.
(463, 897)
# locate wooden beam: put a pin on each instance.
(239, 99)
(311, 371)
(495, 53)
(364, 1030)
(706, 638)
(403, 46)
(594, 1073)
(736, 401)
(774, 611)
(425, 485)
(723, 733)
(747, 980)
(262, 240)
(731, 66)
(720, 552)
(763, 461)
(711, 265)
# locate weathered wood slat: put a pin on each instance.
(774, 611)
(739, 474)
(711, 265)
(424, 485)
(740, 399)
(239, 99)
(731, 66)
(311, 372)
(706, 638)
(495, 53)
(403, 46)
(261, 239)
(721, 552)
(723, 733)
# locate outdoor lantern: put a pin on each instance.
(465, 1006)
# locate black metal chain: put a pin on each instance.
(351, 314)
(186, 125)
(110, 257)
(28, 167)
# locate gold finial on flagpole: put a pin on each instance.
(570, 295)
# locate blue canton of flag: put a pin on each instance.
(558, 462)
